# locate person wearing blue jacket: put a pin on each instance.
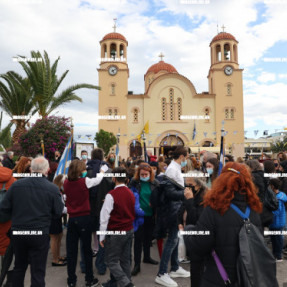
(139, 220)
(279, 220)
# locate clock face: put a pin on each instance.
(113, 70)
(228, 70)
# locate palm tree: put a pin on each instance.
(16, 100)
(45, 83)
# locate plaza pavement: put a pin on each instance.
(57, 276)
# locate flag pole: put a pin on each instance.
(42, 144)
(117, 149)
(72, 134)
(145, 152)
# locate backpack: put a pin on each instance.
(3, 216)
(256, 266)
(270, 200)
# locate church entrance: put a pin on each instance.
(170, 143)
(135, 149)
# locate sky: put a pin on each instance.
(181, 29)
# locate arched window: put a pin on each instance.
(104, 51)
(226, 113)
(226, 52)
(232, 113)
(113, 88)
(179, 108)
(136, 115)
(229, 92)
(207, 114)
(115, 112)
(113, 51)
(171, 92)
(122, 52)
(163, 109)
(218, 53)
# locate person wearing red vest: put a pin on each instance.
(76, 188)
(117, 216)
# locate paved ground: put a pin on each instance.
(56, 276)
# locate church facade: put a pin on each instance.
(171, 111)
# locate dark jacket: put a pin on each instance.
(99, 192)
(32, 203)
(171, 196)
(193, 208)
(7, 162)
(223, 237)
(261, 183)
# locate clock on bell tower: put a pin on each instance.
(225, 82)
(113, 80)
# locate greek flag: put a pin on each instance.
(194, 132)
(66, 159)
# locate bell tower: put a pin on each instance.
(225, 82)
(113, 80)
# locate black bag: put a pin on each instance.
(256, 266)
(270, 200)
(3, 216)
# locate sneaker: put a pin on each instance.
(165, 280)
(184, 261)
(180, 272)
(72, 285)
(95, 253)
(92, 284)
(279, 260)
(110, 283)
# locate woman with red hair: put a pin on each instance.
(234, 185)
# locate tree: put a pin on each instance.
(55, 132)
(5, 134)
(16, 100)
(45, 83)
(105, 140)
(279, 145)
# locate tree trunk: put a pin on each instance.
(20, 129)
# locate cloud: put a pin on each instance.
(266, 77)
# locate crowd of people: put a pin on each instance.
(117, 218)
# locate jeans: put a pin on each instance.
(170, 252)
(118, 257)
(35, 250)
(79, 228)
(100, 260)
(277, 243)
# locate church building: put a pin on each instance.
(171, 111)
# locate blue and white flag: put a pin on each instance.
(194, 132)
(66, 159)
(222, 153)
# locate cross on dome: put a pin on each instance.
(115, 25)
(161, 55)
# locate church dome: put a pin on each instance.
(115, 35)
(161, 66)
(223, 36)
